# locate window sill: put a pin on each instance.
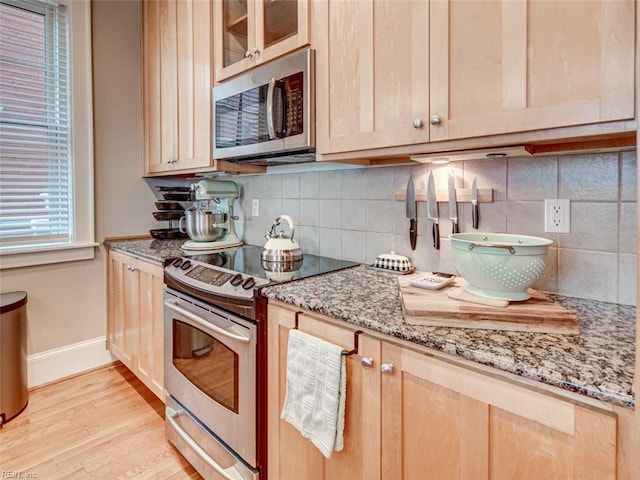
(47, 255)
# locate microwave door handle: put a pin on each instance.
(205, 325)
(271, 93)
(227, 473)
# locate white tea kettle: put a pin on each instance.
(281, 252)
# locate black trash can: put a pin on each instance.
(13, 355)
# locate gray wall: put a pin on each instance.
(352, 214)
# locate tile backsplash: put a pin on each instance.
(352, 214)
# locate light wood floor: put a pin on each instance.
(104, 424)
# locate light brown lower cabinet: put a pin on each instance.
(428, 418)
(135, 316)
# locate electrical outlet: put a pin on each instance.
(557, 216)
(255, 207)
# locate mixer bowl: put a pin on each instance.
(499, 265)
(203, 226)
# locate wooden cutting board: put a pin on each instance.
(435, 308)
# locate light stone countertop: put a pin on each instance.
(598, 363)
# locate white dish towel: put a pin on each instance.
(315, 393)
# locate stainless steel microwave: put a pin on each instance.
(267, 115)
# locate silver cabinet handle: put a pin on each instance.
(386, 368)
(366, 362)
(435, 120)
(254, 51)
(418, 123)
(131, 268)
(227, 473)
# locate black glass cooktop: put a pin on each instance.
(247, 260)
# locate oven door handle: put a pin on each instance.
(205, 325)
(228, 473)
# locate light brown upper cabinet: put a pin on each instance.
(176, 71)
(511, 66)
(249, 32)
(372, 74)
(401, 73)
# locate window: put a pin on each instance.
(46, 160)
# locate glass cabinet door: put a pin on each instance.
(280, 20)
(235, 37)
(250, 32)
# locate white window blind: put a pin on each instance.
(36, 197)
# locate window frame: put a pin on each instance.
(81, 98)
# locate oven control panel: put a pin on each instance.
(213, 279)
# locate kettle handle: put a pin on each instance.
(277, 222)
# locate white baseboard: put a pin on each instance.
(61, 362)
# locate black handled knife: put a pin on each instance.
(412, 214)
(432, 210)
(475, 218)
(453, 205)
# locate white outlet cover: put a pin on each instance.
(255, 207)
(557, 216)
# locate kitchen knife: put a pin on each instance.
(453, 206)
(411, 213)
(432, 210)
(474, 204)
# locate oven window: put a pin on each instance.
(207, 363)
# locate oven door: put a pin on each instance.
(210, 369)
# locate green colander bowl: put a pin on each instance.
(500, 265)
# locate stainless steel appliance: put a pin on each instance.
(215, 358)
(267, 116)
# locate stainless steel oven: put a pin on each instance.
(210, 377)
(216, 358)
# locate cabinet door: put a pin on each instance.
(176, 69)
(254, 32)
(235, 31)
(429, 431)
(503, 66)
(440, 420)
(291, 456)
(135, 317)
(149, 360)
(160, 92)
(121, 305)
(194, 82)
(372, 74)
